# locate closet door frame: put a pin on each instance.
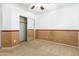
(26, 26)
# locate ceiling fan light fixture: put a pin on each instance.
(42, 8)
(33, 7)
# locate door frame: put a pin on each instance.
(26, 26)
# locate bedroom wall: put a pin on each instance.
(11, 15)
(64, 18)
(11, 23)
(59, 26)
(59, 36)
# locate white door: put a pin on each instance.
(23, 29)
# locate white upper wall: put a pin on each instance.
(65, 18)
(0, 16)
(11, 18)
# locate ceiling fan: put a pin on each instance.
(40, 8)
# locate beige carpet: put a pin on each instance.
(40, 48)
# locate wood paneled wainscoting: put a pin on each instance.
(10, 38)
(69, 37)
(30, 34)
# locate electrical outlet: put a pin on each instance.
(14, 41)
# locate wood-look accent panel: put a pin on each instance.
(78, 39)
(30, 34)
(15, 38)
(8, 37)
(42, 34)
(64, 37)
